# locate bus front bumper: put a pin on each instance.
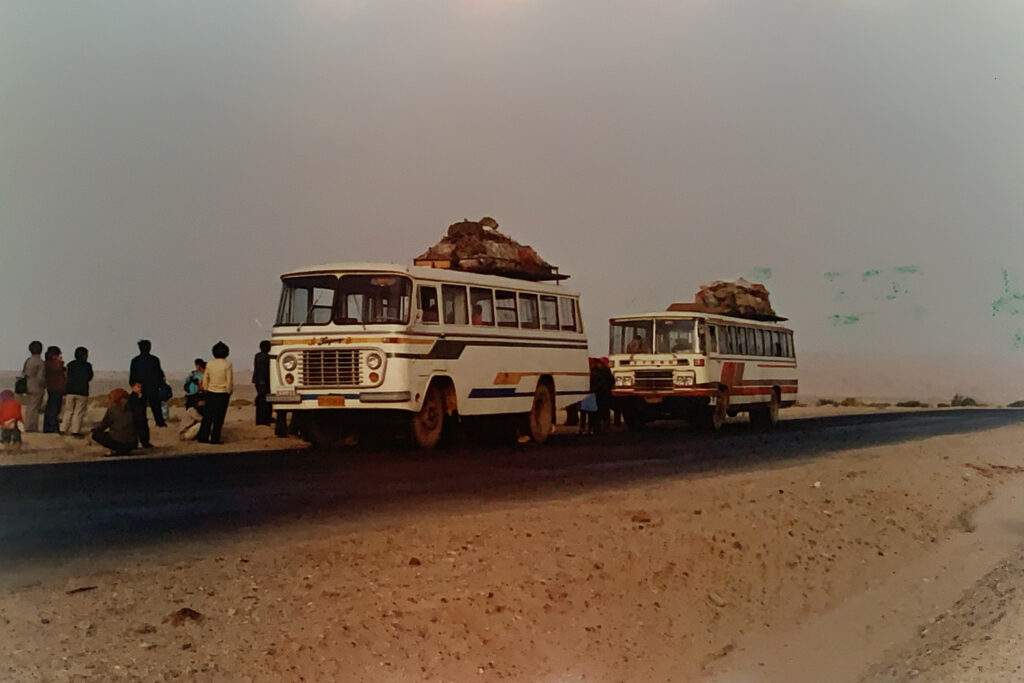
(310, 400)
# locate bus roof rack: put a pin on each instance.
(490, 265)
(748, 315)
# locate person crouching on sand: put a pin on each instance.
(11, 424)
(116, 430)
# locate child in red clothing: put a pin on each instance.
(11, 422)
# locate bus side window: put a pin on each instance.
(776, 344)
(567, 313)
(428, 305)
(751, 341)
(712, 339)
(759, 342)
(741, 341)
(791, 352)
(505, 307)
(549, 312)
(528, 313)
(481, 306)
(454, 304)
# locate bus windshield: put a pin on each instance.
(345, 300)
(667, 335)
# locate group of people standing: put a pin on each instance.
(60, 393)
(208, 390)
(66, 389)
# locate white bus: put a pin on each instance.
(369, 346)
(701, 367)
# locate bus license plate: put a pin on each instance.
(653, 399)
(331, 401)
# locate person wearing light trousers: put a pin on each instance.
(76, 400)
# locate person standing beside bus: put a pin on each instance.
(34, 372)
(218, 385)
(261, 380)
(601, 383)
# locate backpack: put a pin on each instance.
(21, 385)
(191, 384)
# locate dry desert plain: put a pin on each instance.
(878, 563)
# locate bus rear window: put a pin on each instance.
(549, 312)
(567, 313)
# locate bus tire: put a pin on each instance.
(542, 412)
(635, 415)
(766, 415)
(427, 425)
(319, 428)
(717, 413)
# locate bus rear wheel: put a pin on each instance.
(427, 425)
(542, 412)
(766, 415)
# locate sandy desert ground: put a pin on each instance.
(684, 579)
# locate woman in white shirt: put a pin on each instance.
(218, 384)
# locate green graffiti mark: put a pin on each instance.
(832, 276)
(868, 274)
(896, 290)
(908, 270)
(762, 273)
(1011, 302)
(838, 319)
(1018, 339)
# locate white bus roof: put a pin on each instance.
(737, 319)
(427, 273)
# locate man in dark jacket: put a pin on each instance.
(261, 378)
(76, 400)
(137, 407)
(601, 383)
(146, 370)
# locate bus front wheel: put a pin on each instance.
(717, 413)
(428, 423)
(635, 413)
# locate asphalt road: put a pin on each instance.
(56, 513)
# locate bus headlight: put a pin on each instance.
(289, 362)
(682, 379)
(374, 360)
(624, 380)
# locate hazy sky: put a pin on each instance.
(161, 163)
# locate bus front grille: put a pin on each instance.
(330, 368)
(656, 380)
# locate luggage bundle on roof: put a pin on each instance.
(478, 247)
(737, 297)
